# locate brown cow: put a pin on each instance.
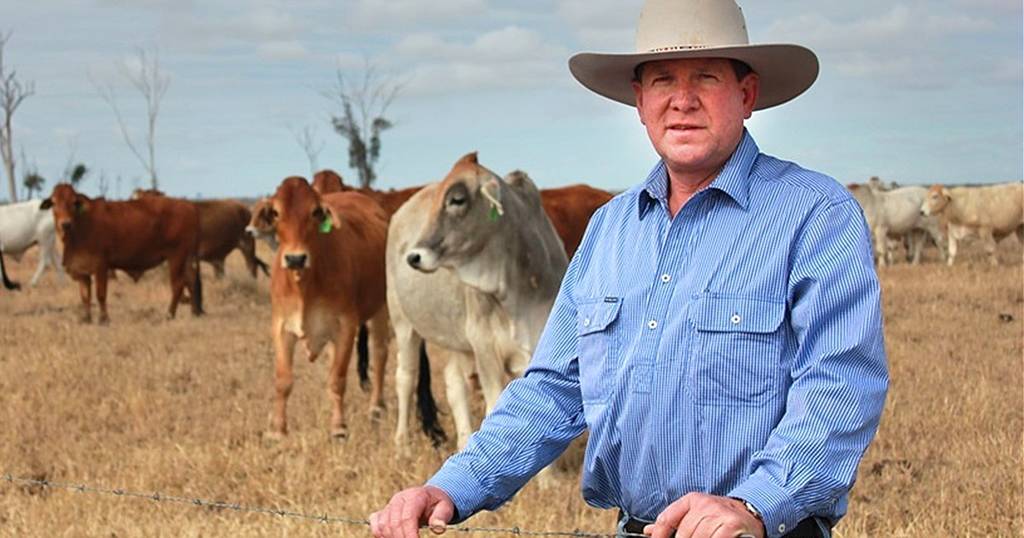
(570, 209)
(327, 279)
(9, 284)
(222, 229)
(134, 236)
(327, 181)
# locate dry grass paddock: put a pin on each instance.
(180, 407)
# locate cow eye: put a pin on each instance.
(457, 200)
(318, 214)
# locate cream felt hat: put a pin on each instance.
(670, 29)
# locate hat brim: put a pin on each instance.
(785, 70)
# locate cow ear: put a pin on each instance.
(945, 193)
(46, 204)
(491, 190)
(266, 215)
(331, 220)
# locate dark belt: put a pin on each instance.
(808, 528)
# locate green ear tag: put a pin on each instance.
(326, 225)
(493, 215)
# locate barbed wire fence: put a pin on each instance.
(310, 517)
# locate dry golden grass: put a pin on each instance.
(180, 407)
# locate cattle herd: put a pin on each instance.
(470, 264)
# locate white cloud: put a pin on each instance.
(507, 57)
(376, 14)
(602, 25)
(282, 50)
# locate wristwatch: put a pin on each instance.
(751, 508)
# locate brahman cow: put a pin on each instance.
(570, 209)
(22, 225)
(134, 236)
(222, 229)
(327, 279)
(474, 265)
(8, 283)
(992, 212)
(895, 214)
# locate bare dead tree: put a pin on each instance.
(306, 138)
(12, 93)
(152, 84)
(362, 120)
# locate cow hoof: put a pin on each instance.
(104, 320)
(85, 320)
(339, 435)
(376, 412)
(274, 437)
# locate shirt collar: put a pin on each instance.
(733, 180)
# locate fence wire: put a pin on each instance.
(323, 518)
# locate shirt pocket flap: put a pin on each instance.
(596, 316)
(732, 314)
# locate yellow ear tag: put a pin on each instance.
(326, 225)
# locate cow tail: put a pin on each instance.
(426, 407)
(197, 291)
(363, 358)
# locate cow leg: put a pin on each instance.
(101, 295)
(458, 395)
(218, 268)
(284, 346)
(55, 260)
(954, 239)
(407, 344)
(247, 245)
(339, 375)
(44, 256)
(917, 239)
(176, 271)
(379, 326)
(881, 245)
(990, 245)
(85, 292)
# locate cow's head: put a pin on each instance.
(936, 200)
(299, 218)
(328, 181)
(465, 210)
(68, 207)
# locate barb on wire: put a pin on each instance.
(280, 512)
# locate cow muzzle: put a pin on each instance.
(422, 259)
(295, 262)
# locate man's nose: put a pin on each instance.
(685, 98)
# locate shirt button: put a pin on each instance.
(735, 319)
(666, 277)
(586, 322)
(652, 324)
(782, 527)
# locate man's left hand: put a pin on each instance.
(699, 515)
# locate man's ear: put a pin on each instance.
(751, 87)
(638, 95)
(46, 204)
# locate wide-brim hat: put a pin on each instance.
(672, 29)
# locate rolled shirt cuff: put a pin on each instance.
(466, 492)
(777, 507)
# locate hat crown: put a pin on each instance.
(667, 25)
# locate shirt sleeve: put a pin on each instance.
(839, 374)
(533, 422)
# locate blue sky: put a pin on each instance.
(912, 91)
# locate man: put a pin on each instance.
(719, 330)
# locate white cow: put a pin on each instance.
(992, 212)
(895, 214)
(473, 265)
(22, 225)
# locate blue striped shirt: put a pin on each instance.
(735, 349)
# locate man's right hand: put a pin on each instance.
(411, 508)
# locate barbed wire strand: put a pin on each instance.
(323, 518)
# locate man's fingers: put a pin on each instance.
(412, 511)
(440, 516)
(675, 512)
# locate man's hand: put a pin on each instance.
(411, 508)
(699, 515)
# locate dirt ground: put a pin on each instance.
(180, 407)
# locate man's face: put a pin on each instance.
(694, 110)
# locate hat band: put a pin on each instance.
(678, 47)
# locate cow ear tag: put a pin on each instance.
(493, 213)
(326, 225)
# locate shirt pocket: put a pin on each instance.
(597, 346)
(737, 349)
